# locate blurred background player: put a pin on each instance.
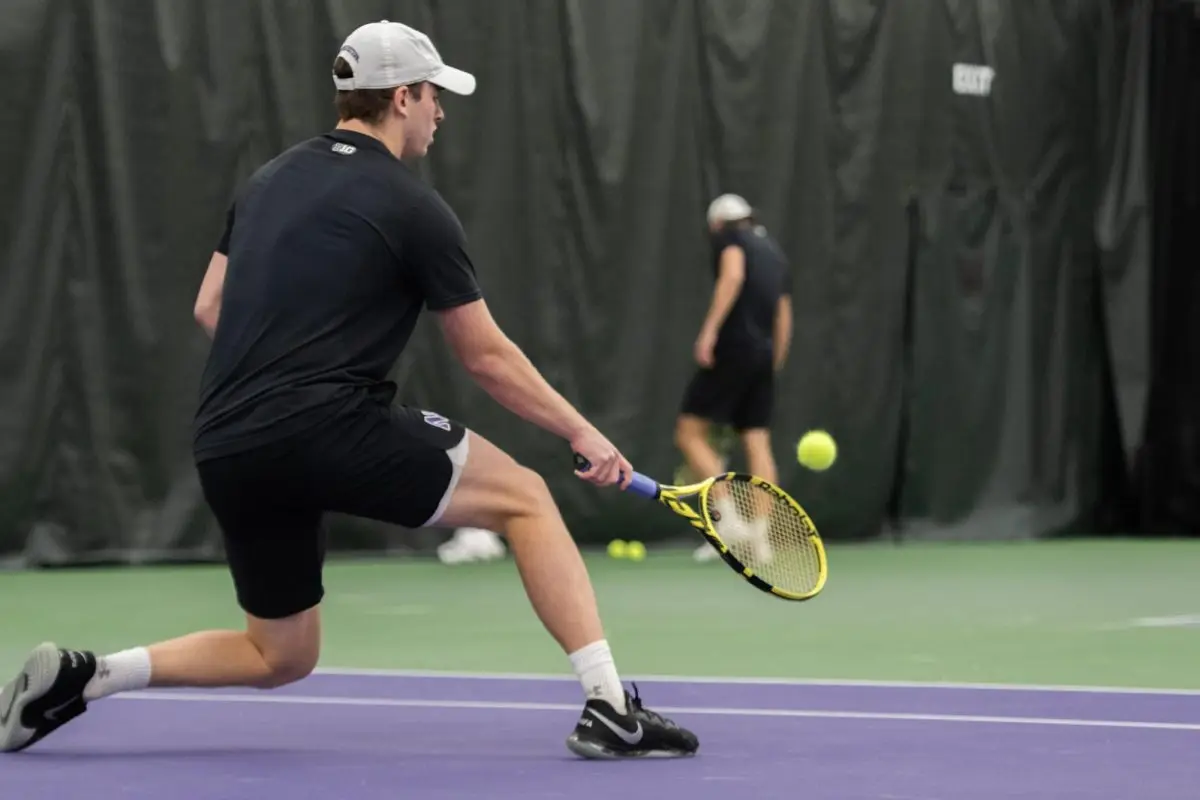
(743, 341)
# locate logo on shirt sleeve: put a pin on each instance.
(436, 420)
(344, 149)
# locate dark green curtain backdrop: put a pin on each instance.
(1167, 472)
(960, 183)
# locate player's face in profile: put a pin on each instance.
(424, 115)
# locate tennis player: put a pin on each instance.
(743, 342)
(328, 255)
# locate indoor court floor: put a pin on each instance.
(924, 671)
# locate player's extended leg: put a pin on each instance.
(275, 553)
(275, 550)
(268, 654)
(55, 685)
(496, 493)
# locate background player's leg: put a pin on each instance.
(496, 493)
(721, 439)
(691, 437)
(711, 395)
(752, 419)
(760, 460)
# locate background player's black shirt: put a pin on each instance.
(334, 247)
(749, 329)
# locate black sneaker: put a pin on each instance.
(47, 694)
(641, 733)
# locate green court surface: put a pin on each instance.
(1115, 613)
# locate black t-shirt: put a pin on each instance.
(749, 329)
(334, 247)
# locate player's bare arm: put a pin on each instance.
(783, 330)
(208, 300)
(503, 370)
(730, 276)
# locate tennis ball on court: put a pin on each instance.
(816, 450)
(635, 551)
(617, 548)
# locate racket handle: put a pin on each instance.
(639, 485)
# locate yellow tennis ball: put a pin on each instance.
(635, 551)
(617, 548)
(816, 450)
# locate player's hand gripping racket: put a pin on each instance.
(759, 530)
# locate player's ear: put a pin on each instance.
(400, 101)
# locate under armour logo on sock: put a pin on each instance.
(102, 669)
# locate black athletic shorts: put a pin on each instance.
(396, 465)
(735, 392)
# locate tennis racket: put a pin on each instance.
(760, 531)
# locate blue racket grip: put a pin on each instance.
(639, 484)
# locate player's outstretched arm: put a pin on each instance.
(503, 370)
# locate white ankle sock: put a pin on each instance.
(598, 674)
(126, 671)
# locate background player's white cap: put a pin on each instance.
(387, 54)
(727, 208)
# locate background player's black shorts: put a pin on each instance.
(735, 392)
(395, 465)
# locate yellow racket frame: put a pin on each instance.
(673, 497)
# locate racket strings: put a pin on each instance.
(766, 533)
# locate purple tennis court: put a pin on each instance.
(376, 736)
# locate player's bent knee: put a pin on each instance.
(493, 490)
(290, 647)
(531, 495)
(524, 495)
(288, 667)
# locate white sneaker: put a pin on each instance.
(470, 545)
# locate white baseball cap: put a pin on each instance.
(727, 208)
(387, 54)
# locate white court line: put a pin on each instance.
(717, 680)
(383, 702)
